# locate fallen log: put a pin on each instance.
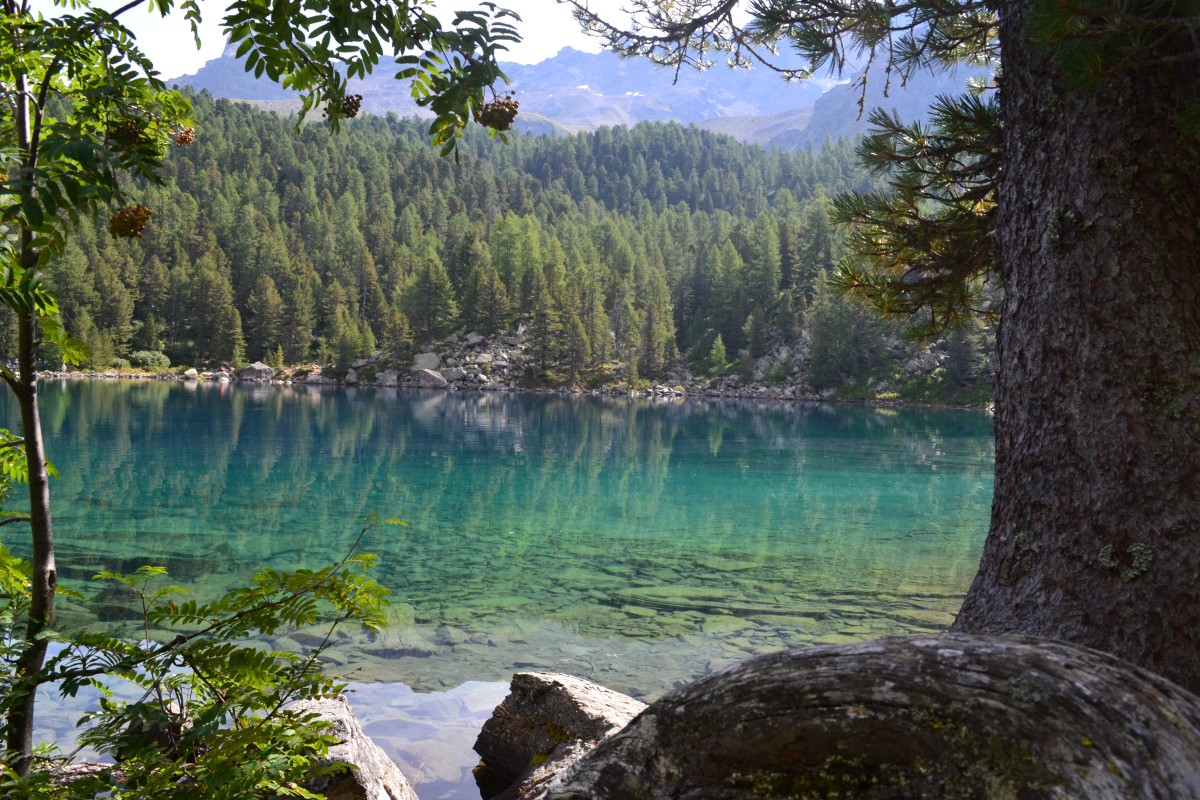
(942, 716)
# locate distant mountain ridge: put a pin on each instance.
(576, 91)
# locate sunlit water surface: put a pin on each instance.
(639, 544)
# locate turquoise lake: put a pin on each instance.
(637, 543)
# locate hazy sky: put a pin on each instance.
(546, 27)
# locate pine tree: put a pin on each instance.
(429, 302)
(577, 348)
(545, 323)
(486, 307)
(397, 340)
(717, 358)
(231, 342)
(266, 313)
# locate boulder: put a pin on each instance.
(389, 377)
(317, 378)
(371, 774)
(426, 361)
(943, 716)
(257, 372)
(484, 358)
(473, 339)
(191, 374)
(454, 374)
(428, 379)
(351, 378)
(538, 729)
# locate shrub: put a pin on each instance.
(150, 359)
(213, 721)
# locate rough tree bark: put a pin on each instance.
(1095, 530)
(43, 570)
(930, 717)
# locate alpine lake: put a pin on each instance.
(637, 543)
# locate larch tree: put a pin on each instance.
(82, 109)
(1074, 188)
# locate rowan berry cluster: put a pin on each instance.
(127, 132)
(128, 222)
(351, 105)
(498, 114)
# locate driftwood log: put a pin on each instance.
(917, 717)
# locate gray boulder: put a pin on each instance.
(317, 378)
(939, 716)
(426, 361)
(544, 725)
(351, 378)
(389, 377)
(371, 774)
(428, 379)
(257, 372)
(454, 374)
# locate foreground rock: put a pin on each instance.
(372, 776)
(544, 725)
(915, 717)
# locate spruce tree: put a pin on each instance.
(428, 301)
(265, 310)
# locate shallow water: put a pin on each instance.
(637, 543)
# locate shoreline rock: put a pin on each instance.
(547, 722)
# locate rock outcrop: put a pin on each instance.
(371, 775)
(547, 722)
(943, 716)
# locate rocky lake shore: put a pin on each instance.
(504, 363)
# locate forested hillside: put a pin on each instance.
(623, 252)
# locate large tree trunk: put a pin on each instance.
(1095, 532)
(921, 717)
